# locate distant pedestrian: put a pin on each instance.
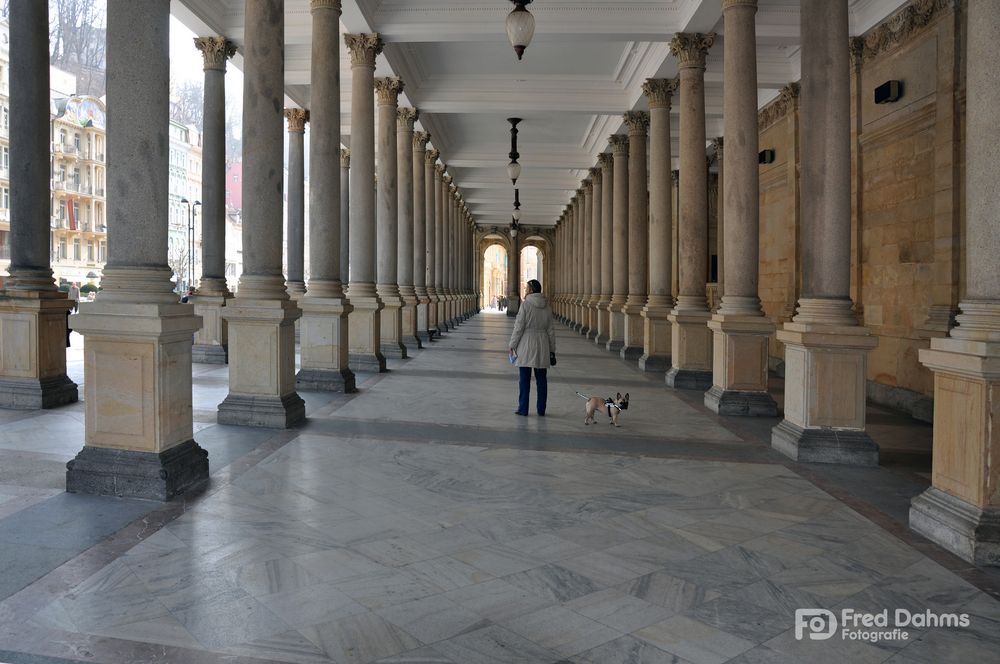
(74, 294)
(187, 297)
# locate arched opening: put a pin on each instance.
(531, 267)
(494, 277)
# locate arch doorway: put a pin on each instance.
(494, 276)
(532, 265)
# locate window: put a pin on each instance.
(102, 252)
(5, 158)
(90, 252)
(62, 249)
(76, 250)
(76, 141)
(5, 117)
(62, 211)
(4, 199)
(76, 210)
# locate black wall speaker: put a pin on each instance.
(765, 156)
(888, 92)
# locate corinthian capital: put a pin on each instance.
(345, 157)
(690, 48)
(431, 156)
(619, 143)
(215, 51)
(595, 174)
(387, 90)
(420, 139)
(364, 48)
(659, 91)
(637, 121)
(751, 4)
(297, 119)
(605, 160)
(405, 117)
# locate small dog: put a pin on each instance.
(613, 406)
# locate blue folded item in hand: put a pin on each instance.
(512, 357)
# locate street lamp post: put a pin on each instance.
(190, 239)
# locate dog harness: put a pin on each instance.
(609, 404)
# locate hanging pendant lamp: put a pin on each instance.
(520, 27)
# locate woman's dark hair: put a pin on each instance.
(535, 286)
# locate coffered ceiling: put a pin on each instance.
(583, 69)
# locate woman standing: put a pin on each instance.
(533, 345)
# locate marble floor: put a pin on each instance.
(420, 521)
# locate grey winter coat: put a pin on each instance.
(534, 337)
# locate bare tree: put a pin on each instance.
(187, 102)
(77, 38)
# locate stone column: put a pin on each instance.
(574, 262)
(741, 330)
(596, 210)
(719, 144)
(619, 291)
(405, 118)
(296, 232)
(419, 156)
(345, 215)
(137, 351)
(450, 193)
(638, 235)
(691, 342)
(606, 248)
(961, 510)
(579, 261)
(657, 327)
(325, 310)
(262, 316)
(825, 348)
(33, 313)
(514, 276)
(365, 322)
(586, 246)
(211, 342)
(441, 182)
(430, 239)
(387, 90)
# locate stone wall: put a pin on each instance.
(907, 208)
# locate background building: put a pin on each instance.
(184, 239)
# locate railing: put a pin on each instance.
(99, 191)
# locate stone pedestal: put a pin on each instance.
(33, 350)
(616, 327)
(960, 510)
(262, 373)
(823, 425)
(391, 321)
(657, 334)
(411, 331)
(138, 404)
(421, 312)
(211, 342)
(740, 366)
(633, 330)
(364, 332)
(603, 322)
(690, 349)
(324, 351)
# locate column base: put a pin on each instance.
(395, 351)
(688, 379)
(391, 321)
(33, 351)
(971, 533)
(36, 393)
(825, 372)
(654, 363)
(365, 330)
(690, 349)
(367, 362)
(737, 402)
(210, 354)
(326, 380)
(850, 447)
(262, 364)
(211, 342)
(630, 353)
(616, 327)
(633, 330)
(103, 471)
(267, 412)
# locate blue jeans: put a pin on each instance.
(541, 380)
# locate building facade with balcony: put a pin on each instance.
(77, 200)
(184, 238)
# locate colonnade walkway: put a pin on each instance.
(419, 520)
